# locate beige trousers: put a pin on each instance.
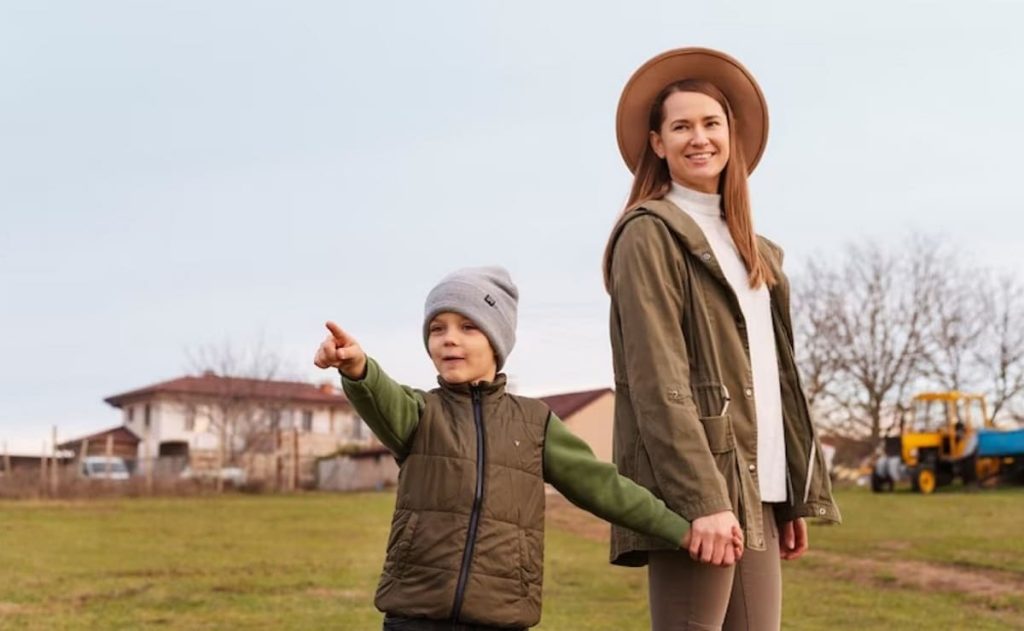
(686, 594)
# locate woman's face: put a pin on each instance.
(693, 140)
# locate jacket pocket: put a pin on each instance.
(718, 430)
(722, 443)
(405, 540)
(643, 472)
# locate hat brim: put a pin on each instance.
(727, 74)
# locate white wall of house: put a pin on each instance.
(175, 420)
(144, 419)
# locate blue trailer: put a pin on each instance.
(993, 443)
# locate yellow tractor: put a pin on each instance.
(938, 441)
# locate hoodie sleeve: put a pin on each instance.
(391, 410)
(596, 487)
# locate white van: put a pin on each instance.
(104, 468)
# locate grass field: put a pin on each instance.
(954, 560)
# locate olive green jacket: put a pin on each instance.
(680, 356)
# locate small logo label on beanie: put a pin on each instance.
(489, 300)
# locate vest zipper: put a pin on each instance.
(478, 496)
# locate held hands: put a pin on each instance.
(340, 350)
(716, 539)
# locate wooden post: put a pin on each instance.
(152, 463)
(83, 451)
(295, 460)
(220, 458)
(277, 459)
(54, 463)
(110, 455)
(42, 470)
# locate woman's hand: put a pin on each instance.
(793, 539)
(716, 539)
(340, 350)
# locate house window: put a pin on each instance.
(131, 413)
(307, 421)
(147, 417)
(190, 418)
(275, 419)
(357, 427)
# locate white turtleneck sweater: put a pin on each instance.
(770, 468)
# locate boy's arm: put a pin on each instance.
(391, 410)
(596, 486)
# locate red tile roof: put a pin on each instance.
(565, 405)
(210, 385)
(120, 433)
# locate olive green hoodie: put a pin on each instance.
(680, 355)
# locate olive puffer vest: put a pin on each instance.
(467, 536)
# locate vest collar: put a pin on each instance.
(488, 389)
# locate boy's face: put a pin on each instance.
(460, 351)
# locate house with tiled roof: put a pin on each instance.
(116, 441)
(206, 420)
(589, 415)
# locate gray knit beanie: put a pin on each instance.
(485, 295)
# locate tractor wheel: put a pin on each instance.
(924, 480)
(880, 484)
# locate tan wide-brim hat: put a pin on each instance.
(727, 74)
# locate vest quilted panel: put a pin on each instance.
(435, 500)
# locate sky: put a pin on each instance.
(181, 174)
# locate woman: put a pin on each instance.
(709, 411)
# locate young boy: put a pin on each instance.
(466, 548)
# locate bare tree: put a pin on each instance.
(239, 412)
(881, 322)
(1002, 347)
(959, 319)
(815, 291)
(869, 323)
(815, 329)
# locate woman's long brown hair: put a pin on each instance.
(652, 181)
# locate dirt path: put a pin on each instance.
(988, 587)
(925, 576)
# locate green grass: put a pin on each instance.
(983, 529)
(312, 561)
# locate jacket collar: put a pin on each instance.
(489, 389)
(686, 231)
(692, 238)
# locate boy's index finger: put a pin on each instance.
(338, 334)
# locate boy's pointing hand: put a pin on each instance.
(340, 350)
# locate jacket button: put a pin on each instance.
(822, 511)
(752, 467)
(749, 392)
(706, 256)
